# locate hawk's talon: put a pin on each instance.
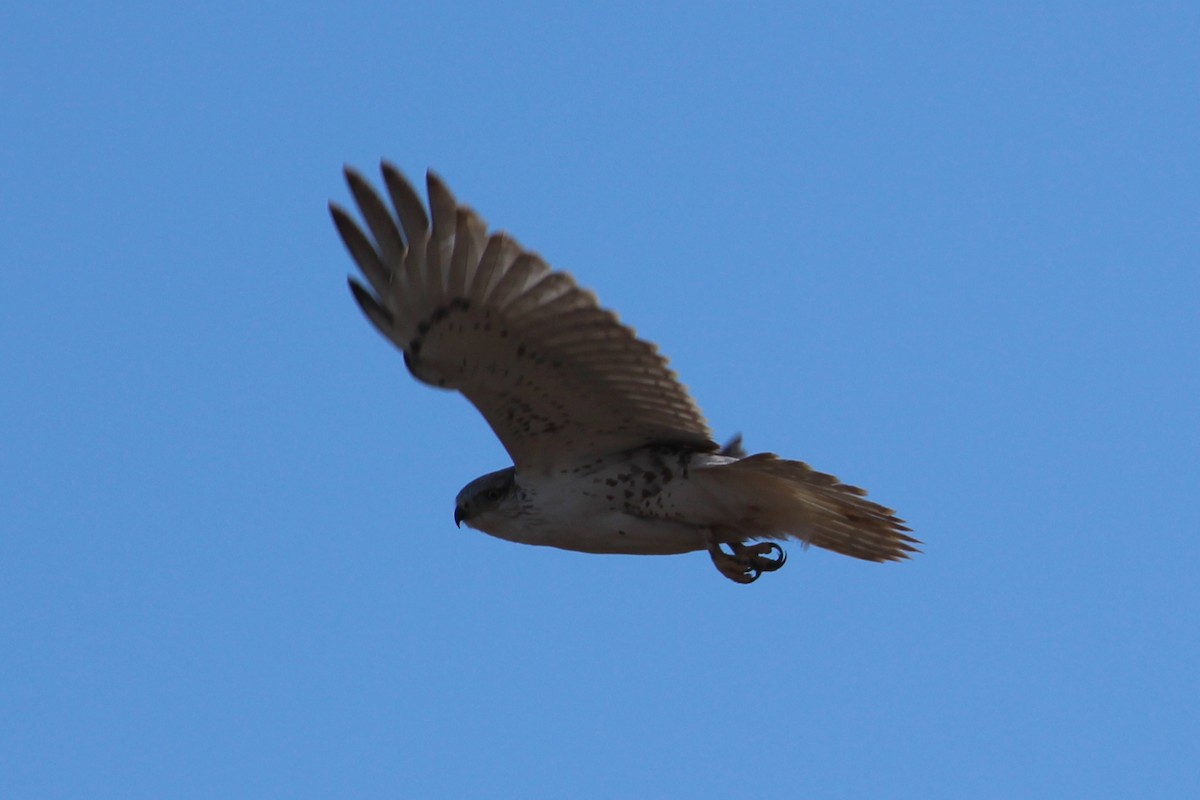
(746, 563)
(764, 557)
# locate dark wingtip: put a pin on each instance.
(361, 295)
(341, 217)
(387, 168)
(369, 305)
(353, 176)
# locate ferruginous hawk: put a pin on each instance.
(610, 453)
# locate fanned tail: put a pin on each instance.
(774, 498)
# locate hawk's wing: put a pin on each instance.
(558, 378)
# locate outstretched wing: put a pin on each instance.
(559, 379)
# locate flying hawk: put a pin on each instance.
(610, 453)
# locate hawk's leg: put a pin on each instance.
(746, 562)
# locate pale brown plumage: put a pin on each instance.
(580, 403)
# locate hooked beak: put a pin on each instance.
(459, 516)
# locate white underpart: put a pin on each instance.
(623, 504)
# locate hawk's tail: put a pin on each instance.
(780, 499)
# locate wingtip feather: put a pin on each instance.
(379, 316)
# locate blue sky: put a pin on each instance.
(947, 252)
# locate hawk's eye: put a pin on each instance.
(493, 494)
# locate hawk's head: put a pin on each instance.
(487, 500)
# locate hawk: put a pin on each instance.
(610, 453)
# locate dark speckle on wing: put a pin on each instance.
(438, 315)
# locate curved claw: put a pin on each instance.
(747, 562)
(738, 573)
(766, 557)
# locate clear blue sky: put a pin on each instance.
(948, 252)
